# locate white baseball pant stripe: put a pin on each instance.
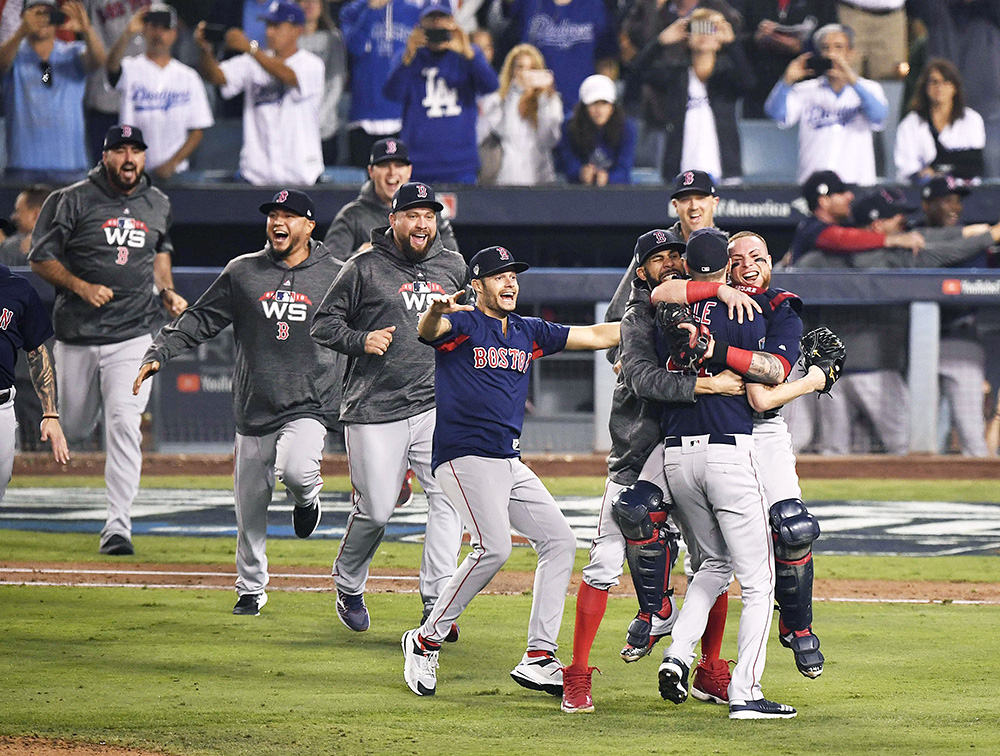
(492, 496)
(720, 499)
(8, 433)
(89, 377)
(292, 454)
(378, 455)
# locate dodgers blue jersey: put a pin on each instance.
(481, 382)
(24, 322)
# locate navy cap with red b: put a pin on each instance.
(123, 134)
(493, 260)
(293, 201)
(389, 149)
(654, 241)
(415, 194)
(693, 182)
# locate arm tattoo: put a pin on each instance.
(766, 368)
(43, 378)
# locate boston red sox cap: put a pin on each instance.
(693, 182)
(415, 194)
(942, 186)
(707, 250)
(389, 149)
(123, 134)
(493, 260)
(885, 203)
(293, 201)
(654, 241)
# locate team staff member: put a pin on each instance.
(389, 167)
(483, 365)
(370, 314)
(103, 244)
(285, 387)
(26, 326)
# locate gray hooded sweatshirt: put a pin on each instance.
(379, 288)
(281, 374)
(357, 219)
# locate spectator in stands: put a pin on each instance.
(968, 34)
(598, 142)
(388, 169)
(778, 31)
(572, 35)
(160, 95)
(14, 249)
(322, 38)
(525, 116)
(700, 95)
(102, 103)
(836, 112)
(375, 32)
(437, 80)
(940, 134)
(43, 87)
(483, 39)
(881, 40)
(284, 87)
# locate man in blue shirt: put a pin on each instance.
(43, 86)
(483, 365)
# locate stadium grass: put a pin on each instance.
(175, 671)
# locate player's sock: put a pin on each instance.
(711, 641)
(428, 645)
(591, 603)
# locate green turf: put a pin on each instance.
(174, 670)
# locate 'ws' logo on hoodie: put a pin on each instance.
(285, 305)
(416, 295)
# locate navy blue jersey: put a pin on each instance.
(24, 322)
(784, 324)
(481, 382)
(804, 238)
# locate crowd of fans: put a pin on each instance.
(317, 83)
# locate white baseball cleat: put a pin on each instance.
(419, 664)
(544, 673)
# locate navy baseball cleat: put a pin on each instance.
(117, 545)
(805, 646)
(674, 680)
(760, 708)
(352, 611)
(305, 519)
(249, 604)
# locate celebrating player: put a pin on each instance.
(103, 244)
(483, 364)
(370, 314)
(286, 390)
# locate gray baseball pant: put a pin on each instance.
(961, 376)
(89, 377)
(292, 454)
(881, 395)
(378, 455)
(493, 495)
(8, 432)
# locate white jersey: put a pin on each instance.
(281, 142)
(165, 102)
(700, 148)
(834, 132)
(915, 149)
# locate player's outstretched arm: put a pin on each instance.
(433, 323)
(763, 397)
(146, 370)
(591, 338)
(43, 378)
(688, 292)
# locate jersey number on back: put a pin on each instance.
(440, 100)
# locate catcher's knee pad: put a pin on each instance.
(651, 545)
(793, 530)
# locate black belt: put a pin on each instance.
(768, 415)
(5, 396)
(715, 438)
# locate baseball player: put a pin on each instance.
(24, 324)
(370, 314)
(483, 365)
(636, 454)
(286, 389)
(103, 244)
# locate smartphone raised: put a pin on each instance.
(215, 32)
(437, 36)
(538, 79)
(818, 63)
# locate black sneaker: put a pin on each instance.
(249, 604)
(117, 545)
(760, 708)
(674, 680)
(352, 611)
(305, 519)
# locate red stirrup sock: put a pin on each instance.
(711, 641)
(591, 603)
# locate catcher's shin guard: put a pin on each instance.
(793, 530)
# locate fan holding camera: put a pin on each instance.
(836, 109)
(43, 87)
(437, 80)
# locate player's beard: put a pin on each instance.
(414, 255)
(116, 180)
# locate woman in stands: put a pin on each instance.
(524, 118)
(598, 142)
(939, 134)
(322, 37)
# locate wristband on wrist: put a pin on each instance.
(695, 291)
(50, 417)
(254, 46)
(719, 356)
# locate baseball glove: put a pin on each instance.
(823, 348)
(687, 339)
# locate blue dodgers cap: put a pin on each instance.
(123, 134)
(436, 6)
(415, 194)
(707, 250)
(653, 241)
(280, 11)
(293, 201)
(493, 260)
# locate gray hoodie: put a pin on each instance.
(376, 289)
(109, 238)
(281, 374)
(357, 219)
